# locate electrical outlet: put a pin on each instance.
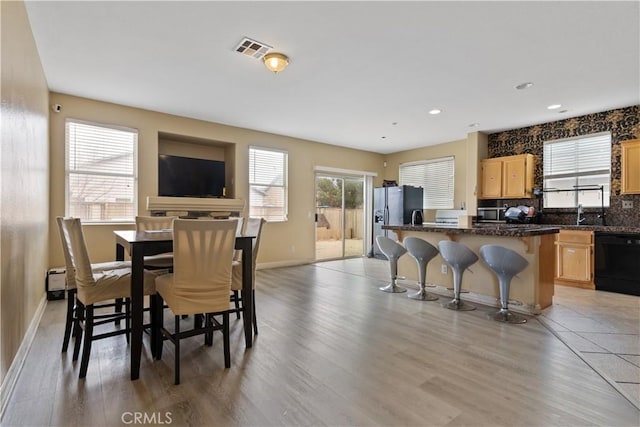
(627, 204)
(443, 268)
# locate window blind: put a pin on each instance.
(436, 177)
(268, 184)
(575, 162)
(100, 172)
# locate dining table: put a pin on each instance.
(139, 244)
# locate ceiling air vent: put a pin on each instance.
(252, 48)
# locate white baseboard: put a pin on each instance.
(11, 378)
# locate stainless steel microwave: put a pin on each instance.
(491, 215)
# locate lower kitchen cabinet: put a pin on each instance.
(574, 259)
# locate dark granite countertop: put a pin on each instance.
(605, 228)
(505, 230)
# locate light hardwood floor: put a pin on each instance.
(332, 350)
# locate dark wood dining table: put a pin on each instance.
(141, 243)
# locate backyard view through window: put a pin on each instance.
(268, 184)
(101, 173)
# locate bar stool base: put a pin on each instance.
(422, 296)
(458, 305)
(507, 317)
(393, 289)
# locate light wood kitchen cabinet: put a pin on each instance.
(574, 258)
(509, 177)
(630, 167)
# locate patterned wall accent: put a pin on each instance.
(623, 123)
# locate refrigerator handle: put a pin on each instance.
(386, 215)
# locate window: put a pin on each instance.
(268, 184)
(435, 177)
(101, 173)
(580, 166)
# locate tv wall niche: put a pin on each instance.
(190, 177)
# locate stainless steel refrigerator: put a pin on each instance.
(393, 206)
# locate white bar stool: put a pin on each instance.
(423, 252)
(505, 263)
(393, 251)
(459, 257)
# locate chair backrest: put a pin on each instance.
(254, 228)
(202, 257)
(457, 254)
(390, 248)
(237, 254)
(420, 249)
(503, 260)
(79, 255)
(70, 269)
(144, 223)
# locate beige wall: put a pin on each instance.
(290, 242)
(24, 183)
(457, 149)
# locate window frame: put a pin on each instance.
(284, 217)
(133, 174)
(576, 175)
(450, 198)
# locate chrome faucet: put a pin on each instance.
(580, 218)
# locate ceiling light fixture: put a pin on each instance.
(435, 111)
(554, 106)
(474, 125)
(276, 62)
(525, 85)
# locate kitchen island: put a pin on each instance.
(531, 290)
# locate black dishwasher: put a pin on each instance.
(617, 262)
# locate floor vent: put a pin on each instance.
(252, 48)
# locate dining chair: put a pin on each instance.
(156, 223)
(96, 286)
(71, 289)
(253, 228)
(200, 283)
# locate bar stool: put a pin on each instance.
(505, 263)
(423, 252)
(459, 257)
(393, 251)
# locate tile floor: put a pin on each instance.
(603, 328)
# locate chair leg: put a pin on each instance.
(77, 329)
(159, 323)
(177, 352)
(255, 320)
(127, 320)
(88, 337)
(236, 301)
(118, 309)
(71, 298)
(208, 336)
(225, 333)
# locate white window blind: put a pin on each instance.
(571, 164)
(268, 184)
(100, 173)
(436, 177)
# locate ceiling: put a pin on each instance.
(361, 74)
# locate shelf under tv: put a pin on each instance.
(194, 206)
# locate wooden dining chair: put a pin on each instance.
(93, 287)
(71, 289)
(200, 283)
(156, 223)
(252, 228)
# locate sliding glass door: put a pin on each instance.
(340, 224)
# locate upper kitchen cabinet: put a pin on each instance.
(508, 177)
(631, 167)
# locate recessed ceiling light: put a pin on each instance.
(525, 85)
(435, 111)
(394, 123)
(383, 137)
(554, 106)
(474, 125)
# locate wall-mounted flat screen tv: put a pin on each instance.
(187, 177)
